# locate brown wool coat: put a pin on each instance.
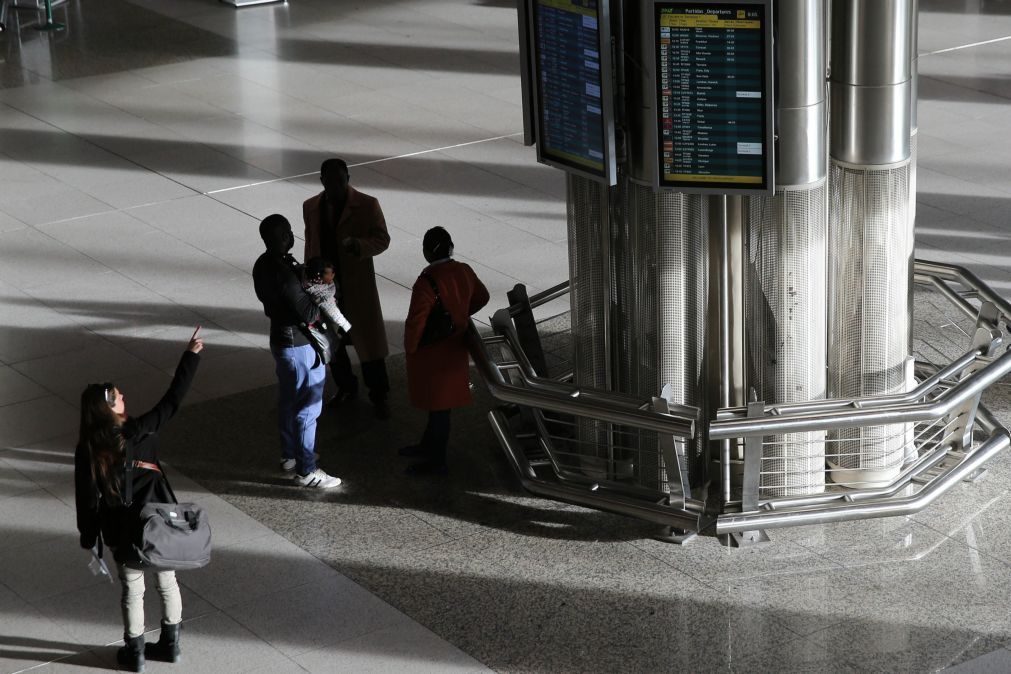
(363, 221)
(438, 374)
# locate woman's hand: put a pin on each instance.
(196, 344)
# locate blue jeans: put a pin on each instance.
(299, 403)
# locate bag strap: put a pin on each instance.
(168, 485)
(131, 464)
(147, 465)
(128, 496)
(435, 287)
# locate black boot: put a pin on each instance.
(131, 656)
(167, 647)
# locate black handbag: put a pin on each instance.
(167, 536)
(439, 324)
(319, 337)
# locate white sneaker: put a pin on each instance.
(288, 465)
(317, 479)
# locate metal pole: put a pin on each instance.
(718, 207)
(608, 282)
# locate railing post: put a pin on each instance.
(962, 419)
(675, 464)
(50, 24)
(751, 481)
(526, 328)
(675, 461)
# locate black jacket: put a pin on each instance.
(286, 304)
(113, 520)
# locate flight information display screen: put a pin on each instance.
(573, 95)
(714, 96)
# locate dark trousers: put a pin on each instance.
(373, 372)
(436, 436)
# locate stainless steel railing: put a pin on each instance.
(944, 435)
(566, 468)
(874, 411)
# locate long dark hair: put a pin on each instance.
(101, 436)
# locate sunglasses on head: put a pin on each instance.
(110, 393)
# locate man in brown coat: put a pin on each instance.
(347, 227)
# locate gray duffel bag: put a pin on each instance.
(167, 536)
(173, 537)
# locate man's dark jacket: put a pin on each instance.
(286, 304)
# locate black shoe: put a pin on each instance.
(382, 410)
(342, 397)
(167, 647)
(413, 451)
(430, 467)
(131, 656)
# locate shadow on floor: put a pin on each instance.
(239, 458)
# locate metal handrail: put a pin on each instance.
(923, 270)
(568, 399)
(920, 391)
(545, 296)
(935, 471)
(824, 513)
(590, 496)
(900, 413)
(507, 335)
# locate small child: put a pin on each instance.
(319, 283)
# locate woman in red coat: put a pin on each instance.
(438, 372)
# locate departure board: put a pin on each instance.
(572, 71)
(714, 96)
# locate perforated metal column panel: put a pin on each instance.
(587, 260)
(587, 215)
(661, 271)
(661, 258)
(682, 279)
(786, 317)
(869, 278)
(910, 440)
(912, 186)
(911, 234)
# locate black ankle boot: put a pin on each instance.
(131, 656)
(167, 647)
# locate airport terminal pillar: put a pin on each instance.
(638, 269)
(786, 246)
(869, 227)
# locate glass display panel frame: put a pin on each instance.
(689, 81)
(527, 78)
(567, 87)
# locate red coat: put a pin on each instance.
(363, 221)
(438, 375)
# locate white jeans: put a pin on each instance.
(133, 599)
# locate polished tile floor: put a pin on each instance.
(138, 150)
